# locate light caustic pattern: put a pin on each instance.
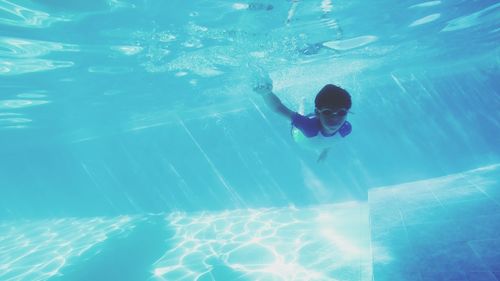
(329, 242)
(36, 251)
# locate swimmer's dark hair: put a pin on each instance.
(333, 96)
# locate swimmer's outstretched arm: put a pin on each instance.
(265, 89)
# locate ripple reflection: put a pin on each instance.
(20, 103)
(19, 56)
(16, 15)
(25, 48)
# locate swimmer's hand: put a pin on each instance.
(263, 87)
(262, 83)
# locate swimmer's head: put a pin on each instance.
(332, 105)
(332, 96)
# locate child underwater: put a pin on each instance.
(323, 127)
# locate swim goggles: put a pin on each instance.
(332, 113)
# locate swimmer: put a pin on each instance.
(328, 122)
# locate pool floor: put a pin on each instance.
(443, 228)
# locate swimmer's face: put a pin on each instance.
(331, 118)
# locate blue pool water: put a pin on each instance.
(132, 146)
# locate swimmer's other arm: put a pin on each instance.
(323, 155)
(266, 91)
